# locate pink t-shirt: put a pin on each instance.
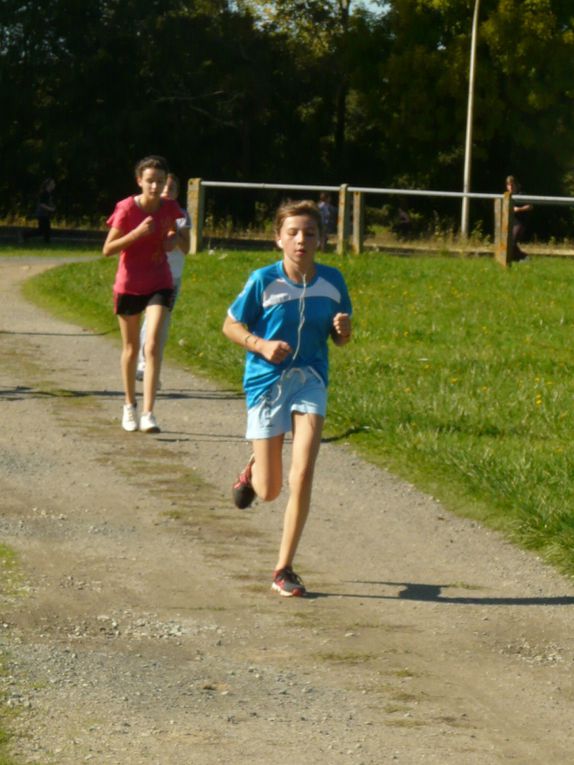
(143, 267)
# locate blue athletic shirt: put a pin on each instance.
(269, 305)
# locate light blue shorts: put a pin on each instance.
(298, 390)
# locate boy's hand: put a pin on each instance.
(342, 324)
(274, 351)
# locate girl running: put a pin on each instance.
(142, 230)
(284, 317)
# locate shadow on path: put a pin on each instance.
(21, 392)
(432, 593)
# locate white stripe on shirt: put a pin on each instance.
(282, 291)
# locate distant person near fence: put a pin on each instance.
(521, 213)
(403, 224)
(328, 218)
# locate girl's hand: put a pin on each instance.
(274, 351)
(146, 227)
(342, 325)
(170, 240)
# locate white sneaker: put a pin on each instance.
(129, 418)
(148, 423)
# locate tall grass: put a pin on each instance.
(459, 376)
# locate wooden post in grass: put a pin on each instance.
(503, 222)
(195, 208)
(343, 223)
(358, 222)
(497, 219)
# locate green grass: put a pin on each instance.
(7, 574)
(5, 759)
(37, 248)
(460, 376)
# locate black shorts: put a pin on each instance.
(131, 305)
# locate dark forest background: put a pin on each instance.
(290, 91)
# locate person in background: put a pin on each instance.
(520, 215)
(403, 225)
(176, 260)
(284, 317)
(45, 208)
(328, 218)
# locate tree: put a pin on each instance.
(523, 110)
(109, 82)
(319, 36)
(298, 91)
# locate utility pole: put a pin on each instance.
(470, 109)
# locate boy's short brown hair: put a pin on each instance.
(293, 207)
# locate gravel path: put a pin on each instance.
(140, 629)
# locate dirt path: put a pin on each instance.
(142, 629)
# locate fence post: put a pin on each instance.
(497, 223)
(358, 221)
(503, 222)
(343, 224)
(195, 208)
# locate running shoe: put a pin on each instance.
(243, 491)
(287, 583)
(129, 418)
(148, 423)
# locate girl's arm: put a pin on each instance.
(116, 241)
(274, 351)
(341, 329)
(176, 237)
(183, 239)
(183, 235)
(170, 240)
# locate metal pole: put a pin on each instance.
(468, 145)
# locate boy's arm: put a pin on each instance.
(274, 351)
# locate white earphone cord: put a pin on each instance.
(301, 318)
(299, 332)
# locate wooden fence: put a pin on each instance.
(351, 211)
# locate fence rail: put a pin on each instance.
(422, 193)
(351, 209)
(277, 186)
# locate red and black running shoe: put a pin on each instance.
(287, 583)
(243, 491)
